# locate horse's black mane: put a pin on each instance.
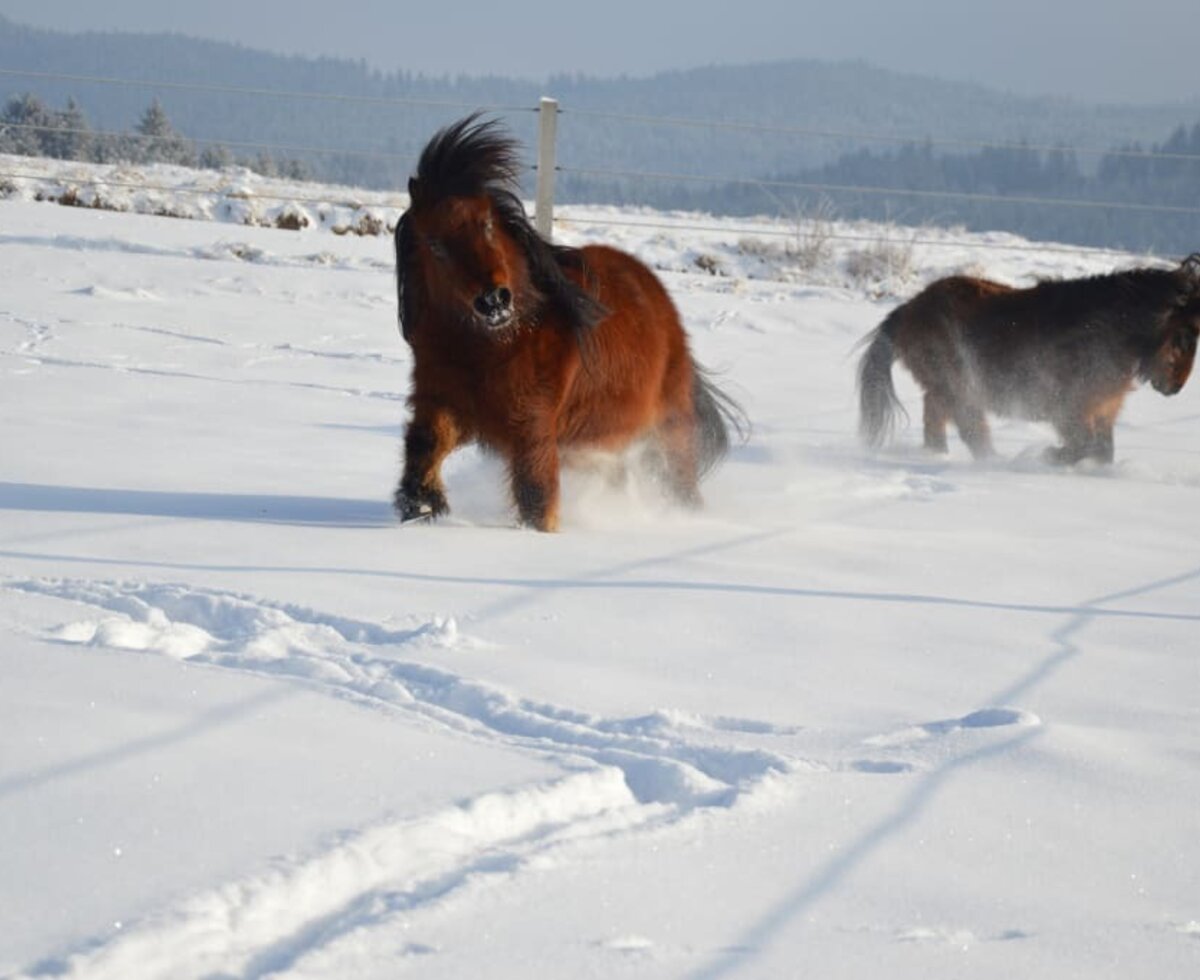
(1137, 305)
(474, 157)
(1139, 300)
(467, 158)
(1148, 287)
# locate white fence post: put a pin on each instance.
(543, 215)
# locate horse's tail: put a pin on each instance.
(716, 414)
(877, 401)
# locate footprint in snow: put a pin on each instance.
(630, 945)
(881, 766)
(901, 486)
(962, 938)
(135, 293)
(666, 721)
(984, 718)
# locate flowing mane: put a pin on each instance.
(469, 158)
(477, 158)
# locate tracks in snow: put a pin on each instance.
(266, 923)
(312, 910)
(661, 761)
(622, 774)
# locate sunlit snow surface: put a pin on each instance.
(894, 716)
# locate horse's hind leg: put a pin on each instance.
(677, 437)
(937, 414)
(973, 428)
(1103, 418)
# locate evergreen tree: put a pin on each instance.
(160, 143)
(69, 136)
(30, 128)
(263, 163)
(216, 157)
(22, 124)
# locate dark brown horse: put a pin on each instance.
(530, 348)
(1066, 352)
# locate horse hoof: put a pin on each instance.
(410, 508)
(546, 525)
(1061, 456)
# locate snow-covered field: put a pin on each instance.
(863, 716)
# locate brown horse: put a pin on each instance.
(529, 348)
(1066, 352)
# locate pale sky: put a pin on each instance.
(1098, 50)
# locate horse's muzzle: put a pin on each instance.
(495, 307)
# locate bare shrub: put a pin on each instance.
(169, 211)
(758, 248)
(369, 223)
(73, 197)
(812, 247)
(291, 218)
(365, 223)
(880, 263)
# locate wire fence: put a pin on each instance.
(366, 199)
(264, 194)
(404, 154)
(865, 136)
(912, 237)
(861, 136)
(891, 191)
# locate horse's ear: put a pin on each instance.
(1189, 271)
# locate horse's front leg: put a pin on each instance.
(534, 471)
(431, 435)
(1102, 441)
(1080, 442)
(1101, 418)
(1083, 437)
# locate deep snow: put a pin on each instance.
(862, 716)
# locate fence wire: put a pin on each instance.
(862, 136)
(873, 190)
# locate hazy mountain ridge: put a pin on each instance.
(368, 125)
(805, 94)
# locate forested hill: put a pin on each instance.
(799, 94)
(366, 129)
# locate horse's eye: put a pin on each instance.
(436, 248)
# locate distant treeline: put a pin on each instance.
(1039, 193)
(28, 127)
